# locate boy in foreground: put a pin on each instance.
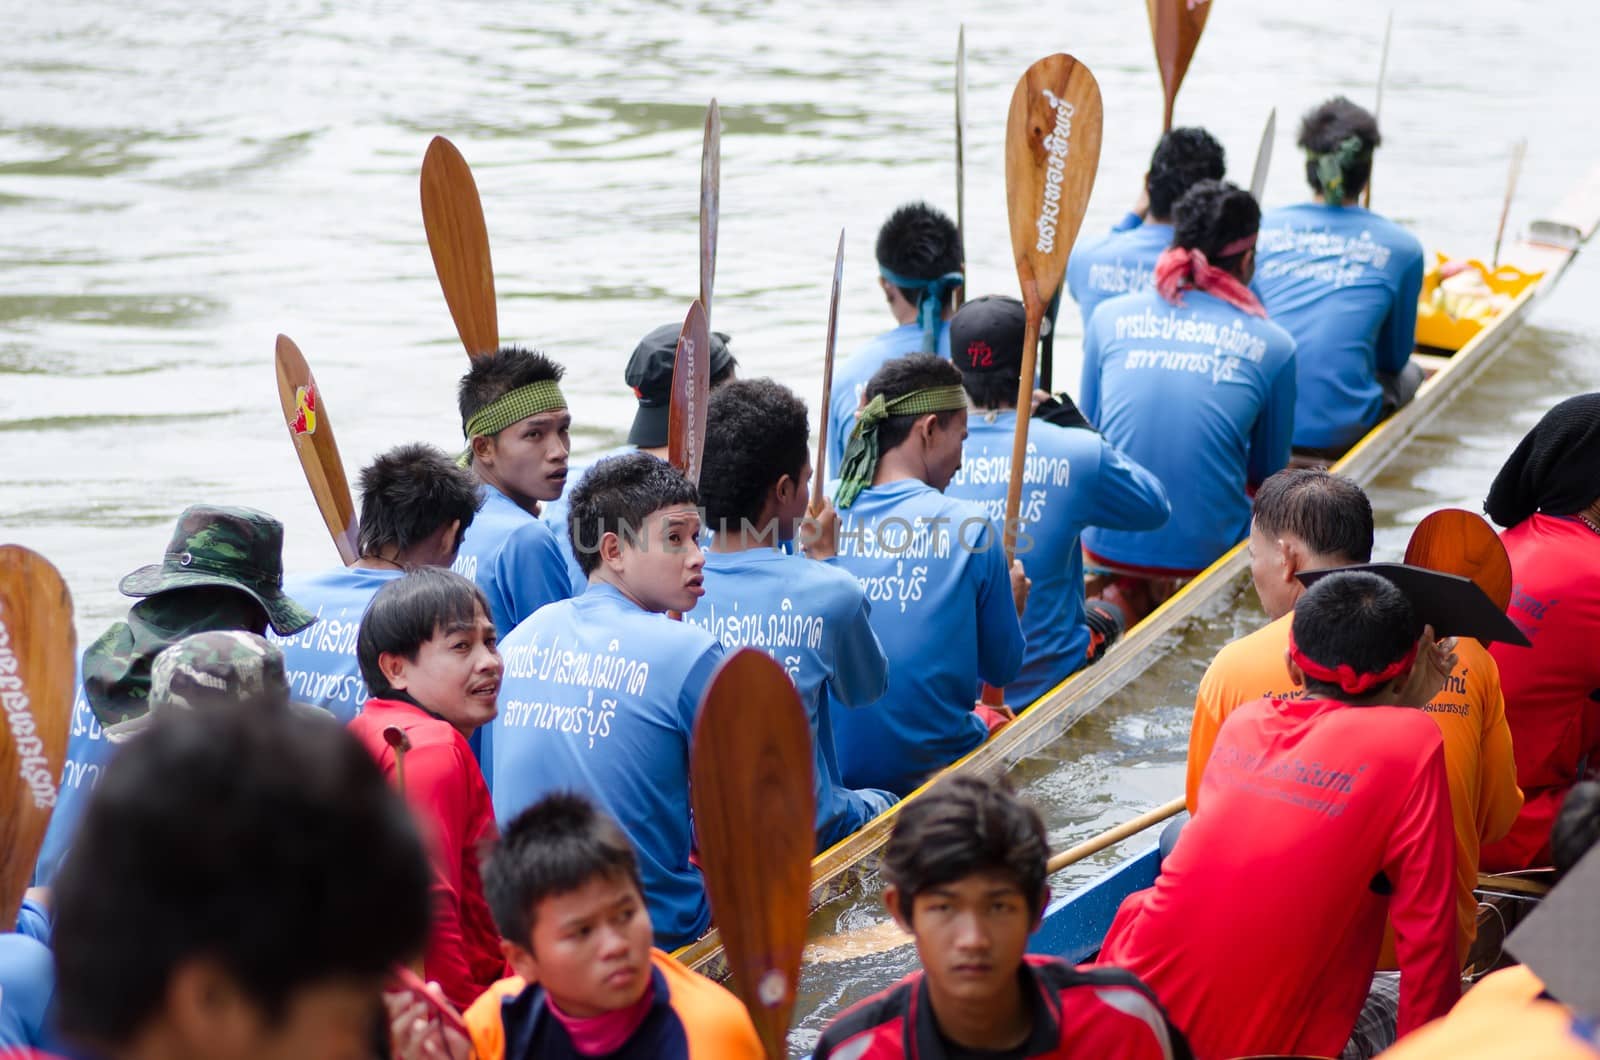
(427, 652)
(966, 876)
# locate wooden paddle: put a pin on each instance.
(453, 216)
(1258, 178)
(961, 167)
(691, 392)
(1377, 104)
(305, 411)
(1175, 25)
(1455, 541)
(37, 681)
(754, 812)
(1052, 152)
(1517, 151)
(818, 473)
(710, 203)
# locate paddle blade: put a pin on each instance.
(710, 202)
(691, 392)
(1460, 542)
(818, 472)
(1052, 152)
(754, 810)
(961, 165)
(453, 216)
(1258, 179)
(1175, 26)
(37, 649)
(311, 430)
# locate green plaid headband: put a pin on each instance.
(861, 455)
(1331, 167)
(509, 408)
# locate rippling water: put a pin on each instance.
(179, 184)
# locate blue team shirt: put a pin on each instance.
(320, 660)
(1073, 479)
(850, 381)
(1203, 396)
(934, 570)
(1119, 262)
(27, 986)
(1344, 282)
(88, 751)
(514, 558)
(600, 697)
(814, 620)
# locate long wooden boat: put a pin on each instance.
(1542, 256)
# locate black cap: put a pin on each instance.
(986, 335)
(649, 372)
(1454, 606)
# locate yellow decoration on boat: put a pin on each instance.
(1460, 296)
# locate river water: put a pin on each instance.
(181, 183)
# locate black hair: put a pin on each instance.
(964, 825)
(406, 613)
(901, 376)
(1183, 158)
(991, 390)
(1211, 215)
(1356, 619)
(756, 432)
(494, 375)
(411, 491)
(919, 243)
(1325, 127)
(260, 840)
(552, 848)
(1330, 513)
(719, 376)
(616, 496)
(1577, 826)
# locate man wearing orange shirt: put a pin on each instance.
(1305, 519)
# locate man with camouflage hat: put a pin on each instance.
(223, 569)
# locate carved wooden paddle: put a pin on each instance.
(1455, 541)
(961, 164)
(754, 812)
(691, 392)
(817, 473)
(37, 679)
(1175, 25)
(305, 412)
(710, 203)
(453, 216)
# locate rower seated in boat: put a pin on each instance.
(1344, 282)
(1190, 380)
(919, 270)
(1125, 258)
(1548, 496)
(1307, 519)
(965, 872)
(416, 503)
(810, 616)
(601, 691)
(1318, 818)
(1073, 479)
(933, 568)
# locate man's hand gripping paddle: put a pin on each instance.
(755, 814)
(37, 681)
(305, 411)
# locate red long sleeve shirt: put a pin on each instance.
(445, 790)
(1553, 688)
(1262, 933)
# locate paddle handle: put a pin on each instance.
(1511, 191)
(1113, 836)
(830, 344)
(1019, 440)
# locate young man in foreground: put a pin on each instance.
(241, 885)
(966, 876)
(601, 691)
(1319, 819)
(416, 504)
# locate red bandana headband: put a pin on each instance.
(1346, 676)
(1181, 267)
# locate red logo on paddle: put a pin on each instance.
(305, 403)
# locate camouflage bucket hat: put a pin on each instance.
(236, 548)
(210, 671)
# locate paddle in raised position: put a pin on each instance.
(1175, 26)
(1520, 149)
(1377, 105)
(305, 411)
(710, 203)
(961, 164)
(37, 679)
(827, 378)
(1456, 541)
(1258, 177)
(459, 241)
(754, 813)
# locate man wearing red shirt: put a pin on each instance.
(427, 652)
(1318, 818)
